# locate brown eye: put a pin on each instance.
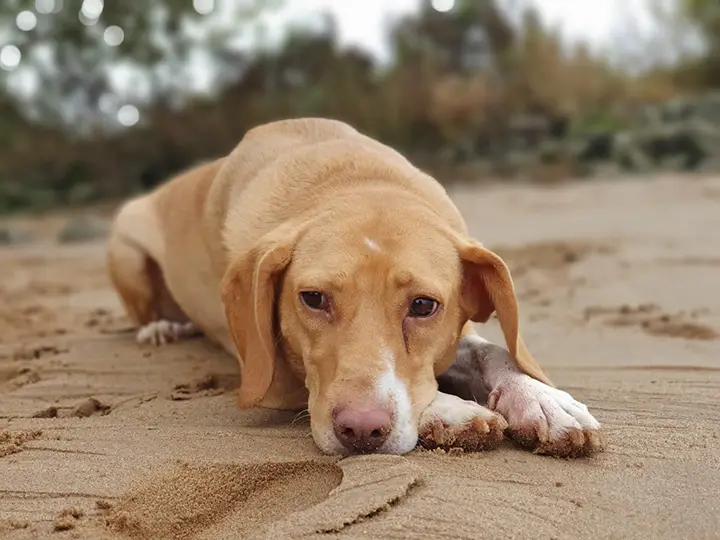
(315, 300)
(422, 308)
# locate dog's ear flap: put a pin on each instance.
(488, 288)
(248, 292)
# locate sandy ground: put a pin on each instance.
(620, 297)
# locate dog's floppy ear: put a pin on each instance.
(488, 288)
(248, 292)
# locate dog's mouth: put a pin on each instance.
(337, 439)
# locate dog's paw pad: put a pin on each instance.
(162, 332)
(545, 419)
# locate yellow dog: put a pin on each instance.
(344, 280)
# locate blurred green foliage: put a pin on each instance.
(456, 82)
(704, 15)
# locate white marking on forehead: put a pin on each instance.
(372, 244)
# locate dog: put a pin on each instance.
(344, 280)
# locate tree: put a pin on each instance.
(84, 59)
(704, 15)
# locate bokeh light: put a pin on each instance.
(48, 6)
(108, 103)
(128, 115)
(443, 6)
(114, 35)
(87, 21)
(26, 21)
(10, 57)
(203, 7)
(92, 9)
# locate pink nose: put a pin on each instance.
(362, 430)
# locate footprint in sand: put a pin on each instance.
(37, 351)
(220, 500)
(549, 256)
(84, 409)
(534, 265)
(12, 442)
(259, 501)
(205, 386)
(651, 319)
(14, 377)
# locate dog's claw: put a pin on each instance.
(450, 422)
(545, 419)
(474, 436)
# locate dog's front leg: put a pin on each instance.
(548, 420)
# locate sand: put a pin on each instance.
(619, 282)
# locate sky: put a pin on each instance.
(362, 22)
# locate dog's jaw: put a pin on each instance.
(327, 442)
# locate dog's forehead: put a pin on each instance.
(379, 254)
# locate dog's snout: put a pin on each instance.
(362, 430)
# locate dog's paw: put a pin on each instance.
(451, 422)
(162, 332)
(546, 419)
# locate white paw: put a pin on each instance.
(544, 418)
(162, 332)
(451, 422)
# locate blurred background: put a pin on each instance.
(100, 99)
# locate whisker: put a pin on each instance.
(302, 415)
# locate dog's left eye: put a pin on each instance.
(422, 307)
(315, 300)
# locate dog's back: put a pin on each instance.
(284, 169)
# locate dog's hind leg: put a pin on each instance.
(139, 282)
(164, 331)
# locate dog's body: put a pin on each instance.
(342, 278)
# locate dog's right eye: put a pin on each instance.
(422, 308)
(315, 300)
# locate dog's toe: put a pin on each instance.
(572, 444)
(474, 436)
(162, 332)
(451, 422)
(545, 419)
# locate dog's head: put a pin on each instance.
(367, 306)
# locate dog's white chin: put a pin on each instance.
(326, 441)
(330, 445)
(402, 441)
